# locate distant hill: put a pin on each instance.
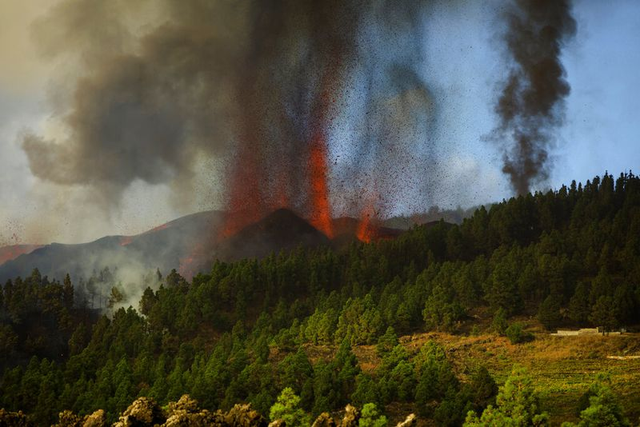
(163, 247)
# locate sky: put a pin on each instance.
(462, 60)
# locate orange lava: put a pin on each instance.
(318, 166)
(9, 253)
(257, 188)
(193, 263)
(366, 230)
(158, 228)
(125, 240)
(320, 207)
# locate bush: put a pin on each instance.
(499, 324)
(516, 333)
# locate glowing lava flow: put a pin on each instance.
(262, 181)
(190, 265)
(320, 208)
(125, 240)
(366, 231)
(318, 151)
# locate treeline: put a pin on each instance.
(239, 332)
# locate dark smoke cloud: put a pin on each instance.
(146, 103)
(158, 85)
(532, 101)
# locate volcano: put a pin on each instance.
(281, 230)
(189, 244)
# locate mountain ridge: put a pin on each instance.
(189, 243)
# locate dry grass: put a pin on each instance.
(562, 368)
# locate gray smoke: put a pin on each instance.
(143, 107)
(531, 104)
(150, 87)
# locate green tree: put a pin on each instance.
(116, 297)
(501, 289)
(516, 333)
(325, 388)
(549, 311)
(483, 388)
(435, 377)
(8, 341)
(516, 405)
(67, 293)
(603, 314)
(147, 301)
(451, 411)
(579, 306)
(296, 370)
(371, 417)
(604, 410)
(366, 391)
(387, 342)
(499, 323)
(78, 340)
(441, 310)
(287, 408)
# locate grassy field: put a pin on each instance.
(562, 368)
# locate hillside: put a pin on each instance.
(162, 247)
(188, 244)
(11, 252)
(468, 301)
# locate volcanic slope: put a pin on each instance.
(278, 231)
(8, 253)
(162, 247)
(189, 244)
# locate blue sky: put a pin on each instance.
(462, 66)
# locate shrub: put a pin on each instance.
(517, 335)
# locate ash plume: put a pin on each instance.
(150, 87)
(531, 104)
(145, 105)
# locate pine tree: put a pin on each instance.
(371, 417)
(603, 314)
(287, 408)
(579, 307)
(603, 410)
(516, 405)
(549, 311)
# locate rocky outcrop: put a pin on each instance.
(186, 412)
(351, 417)
(142, 412)
(410, 421)
(13, 419)
(97, 419)
(324, 420)
(69, 419)
(244, 416)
